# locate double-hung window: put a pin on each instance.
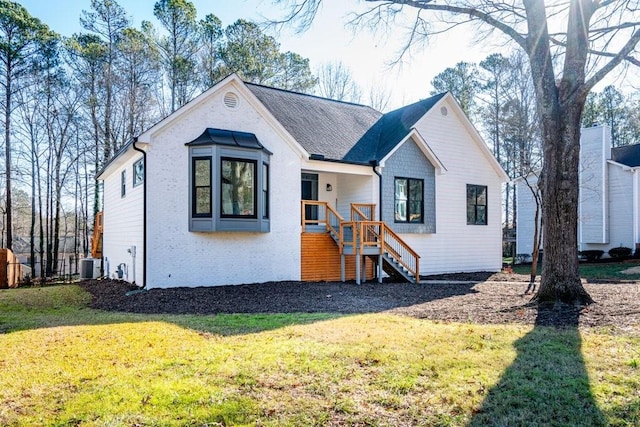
(476, 204)
(409, 200)
(201, 179)
(229, 182)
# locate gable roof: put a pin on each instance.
(339, 130)
(628, 155)
(390, 129)
(322, 126)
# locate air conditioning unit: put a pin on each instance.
(89, 268)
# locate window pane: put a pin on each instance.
(415, 189)
(123, 183)
(481, 195)
(401, 189)
(265, 191)
(203, 172)
(203, 201)
(138, 172)
(238, 186)
(401, 210)
(481, 212)
(415, 214)
(471, 195)
(471, 214)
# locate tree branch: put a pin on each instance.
(472, 12)
(622, 55)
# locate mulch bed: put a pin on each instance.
(487, 298)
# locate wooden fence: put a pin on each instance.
(10, 269)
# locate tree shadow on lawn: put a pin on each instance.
(547, 384)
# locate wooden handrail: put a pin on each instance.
(394, 243)
(366, 233)
(359, 211)
(327, 215)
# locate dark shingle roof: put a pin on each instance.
(322, 126)
(389, 130)
(628, 155)
(340, 130)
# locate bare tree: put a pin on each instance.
(571, 45)
(336, 82)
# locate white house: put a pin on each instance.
(609, 204)
(248, 183)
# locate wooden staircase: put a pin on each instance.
(364, 237)
(96, 240)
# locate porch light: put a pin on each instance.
(329, 187)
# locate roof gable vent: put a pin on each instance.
(231, 100)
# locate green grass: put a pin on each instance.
(594, 271)
(64, 364)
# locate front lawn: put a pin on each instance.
(62, 363)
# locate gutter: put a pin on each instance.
(636, 208)
(374, 164)
(144, 213)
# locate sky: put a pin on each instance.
(366, 55)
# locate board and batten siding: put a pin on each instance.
(621, 230)
(177, 257)
(595, 149)
(456, 246)
(123, 220)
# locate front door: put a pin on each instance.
(310, 192)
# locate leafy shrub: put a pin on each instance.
(620, 252)
(592, 254)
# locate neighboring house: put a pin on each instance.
(248, 184)
(609, 206)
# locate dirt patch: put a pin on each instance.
(488, 298)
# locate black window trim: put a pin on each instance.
(194, 188)
(475, 212)
(255, 185)
(408, 221)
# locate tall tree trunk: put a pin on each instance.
(560, 273)
(7, 147)
(560, 107)
(32, 228)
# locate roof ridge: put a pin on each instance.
(309, 95)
